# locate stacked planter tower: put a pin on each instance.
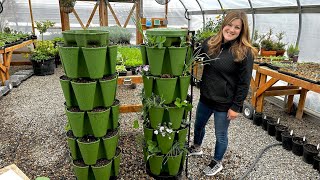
(89, 87)
(167, 79)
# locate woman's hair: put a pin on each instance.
(241, 46)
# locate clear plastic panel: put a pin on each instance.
(191, 5)
(273, 3)
(235, 4)
(310, 2)
(209, 5)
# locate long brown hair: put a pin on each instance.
(241, 46)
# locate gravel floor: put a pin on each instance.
(32, 136)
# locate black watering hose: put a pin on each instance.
(257, 159)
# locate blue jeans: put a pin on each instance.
(221, 124)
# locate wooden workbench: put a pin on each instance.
(6, 57)
(262, 87)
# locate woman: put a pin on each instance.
(224, 85)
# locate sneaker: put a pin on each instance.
(195, 151)
(213, 168)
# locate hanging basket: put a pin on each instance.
(66, 9)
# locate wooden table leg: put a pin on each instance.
(290, 103)
(302, 100)
(6, 61)
(255, 83)
(260, 98)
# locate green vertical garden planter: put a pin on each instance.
(115, 110)
(184, 82)
(109, 89)
(84, 93)
(165, 143)
(166, 88)
(89, 151)
(95, 59)
(173, 163)
(116, 163)
(144, 54)
(155, 164)
(182, 135)
(156, 116)
(155, 58)
(73, 146)
(175, 116)
(110, 145)
(102, 172)
(82, 173)
(76, 121)
(70, 60)
(111, 60)
(68, 92)
(147, 85)
(99, 122)
(177, 59)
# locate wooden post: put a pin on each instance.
(130, 14)
(31, 16)
(103, 13)
(260, 99)
(302, 101)
(166, 11)
(290, 103)
(138, 18)
(92, 14)
(114, 14)
(78, 18)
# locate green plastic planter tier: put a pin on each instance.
(110, 145)
(81, 172)
(68, 92)
(102, 172)
(172, 35)
(166, 88)
(95, 59)
(89, 151)
(177, 59)
(84, 93)
(85, 38)
(99, 122)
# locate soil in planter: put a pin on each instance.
(74, 109)
(116, 102)
(102, 162)
(88, 139)
(64, 77)
(109, 77)
(264, 123)
(83, 80)
(286, 140)
(279, 129)
(70, 134)
(79, 162)
(297, 146)
(166, 76)
(309, 151)
(110, 133)
(99, 109)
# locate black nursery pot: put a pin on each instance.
(279, 129)
(264, 123)
(257, 119)
(297, 146)
(309, 151)
(271, 127)
(286, 140)
(316, 162)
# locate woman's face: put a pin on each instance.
(232, 30)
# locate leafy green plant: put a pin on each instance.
(130, 56)
(153, 148)
(117, 34)
(156, 41)
(120, 68)
(153, 101)
(293, 50)
(44, 50)
(185, 104)
(196, 57)
(211, 28)
(43, 26)
(164, 130)
(183, 41)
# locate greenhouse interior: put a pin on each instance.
(159, 89)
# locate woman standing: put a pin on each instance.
(224, 85)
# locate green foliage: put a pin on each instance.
(153, 148)
(267, 44)
(129, 56)
(153, 101)
(58, 39)
(180, 104)
(293, 50)
(44, 51)
(183, 41)
(120, 68)
(67, 127)
(136, 124)
(43, 26)
(211, 28)
(117, 34)
(156, 41)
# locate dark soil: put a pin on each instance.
(101, 162)
(79, 162)
(281, 128)
(166, 76)
(88, 139)
(311, 148)
(111, 133)
(109, 77)
(74, 109)
(70, 134)
(99, 109)
(116, 102)
(83, 80)
(298, 140)
(64, 77)
(286, 134)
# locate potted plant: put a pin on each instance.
(267, 45)
(280, 46)
(67, 6)
(43, 26)
(43, 58)
(293, 52)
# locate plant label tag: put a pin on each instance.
(291, 132)
(304, 138)
(278, 121)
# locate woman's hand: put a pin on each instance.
(232, 114)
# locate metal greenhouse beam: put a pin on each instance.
(202, 12)
(253, 19)
(300, 23)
